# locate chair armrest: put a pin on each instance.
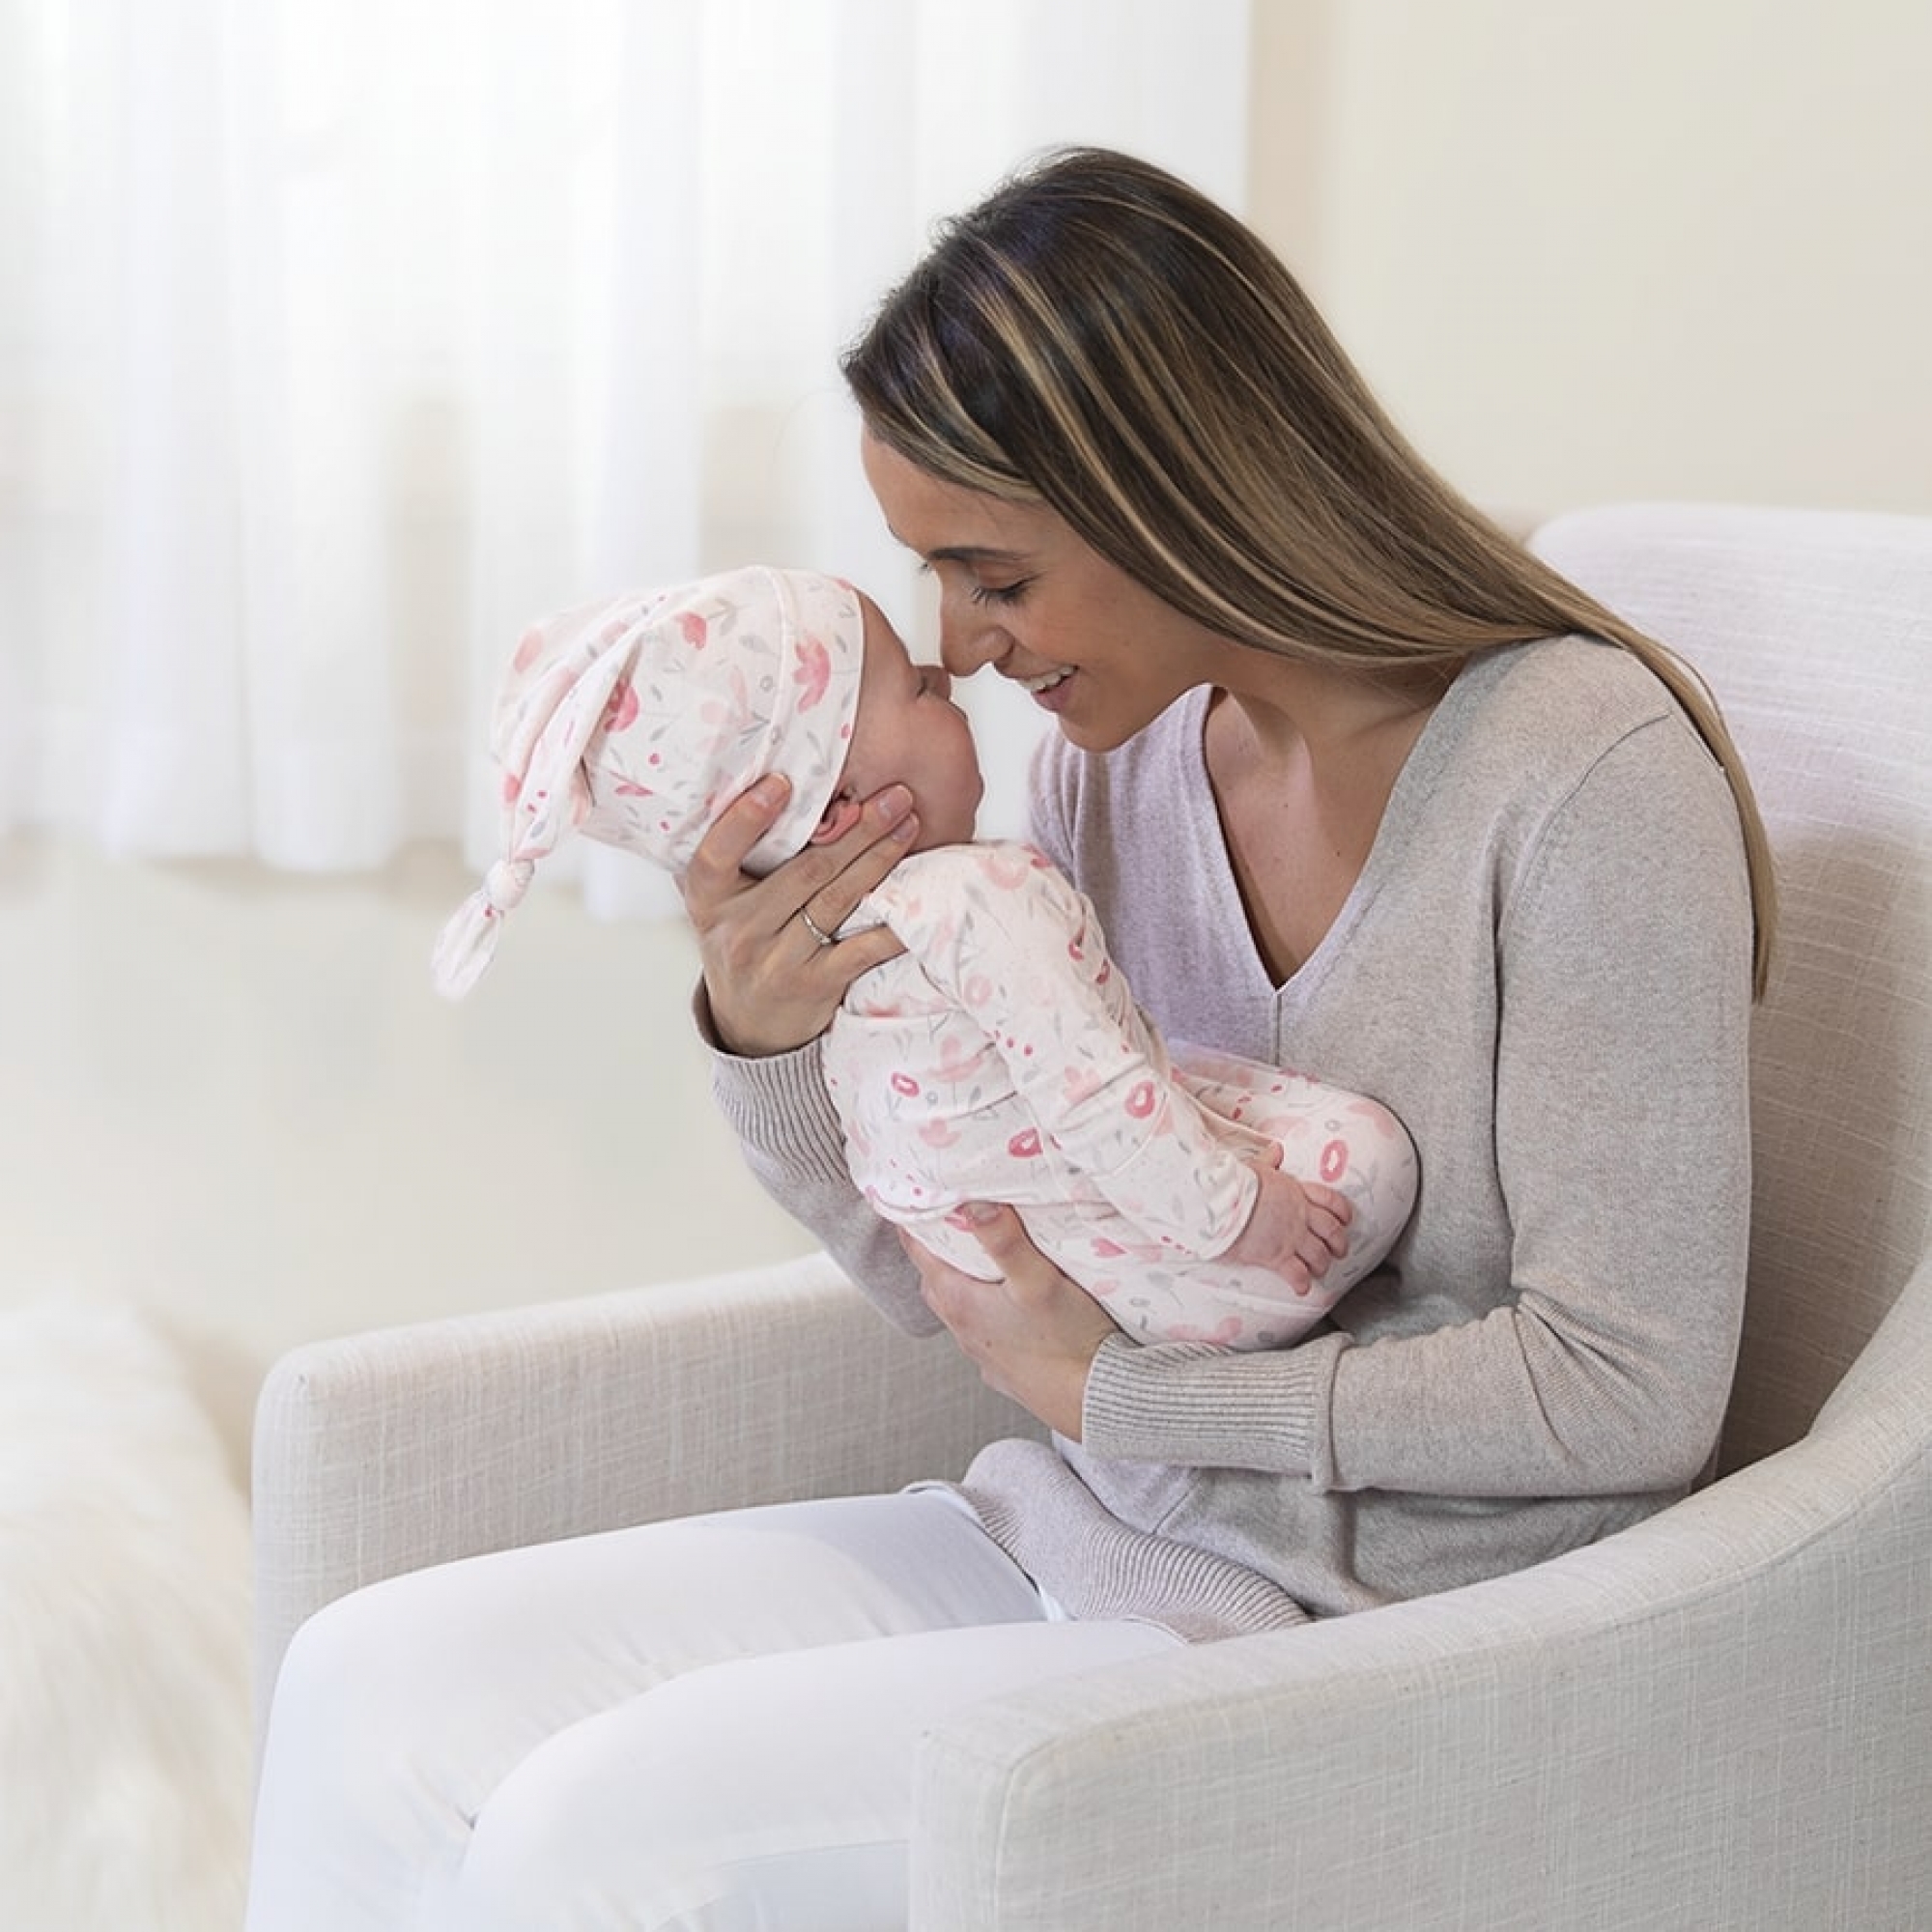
(1720, 1717)
(406, 1446)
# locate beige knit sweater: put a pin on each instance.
(1545, 971)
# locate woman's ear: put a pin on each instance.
(839, 816)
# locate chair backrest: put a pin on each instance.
(1814, 630)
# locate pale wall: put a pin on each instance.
(1587, 251)
(1664, 247)
(234, 1098)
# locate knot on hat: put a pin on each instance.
(506, 881)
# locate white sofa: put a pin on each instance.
(1721, 1718)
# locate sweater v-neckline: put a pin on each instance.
(1413, 782)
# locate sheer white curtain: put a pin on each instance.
(337, 338)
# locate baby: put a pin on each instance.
(1000, 1057)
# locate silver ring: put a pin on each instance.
(811, 925)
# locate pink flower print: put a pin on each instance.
(1024, 1146)
(528, 645)
(695, 631)
(635, 787)
(1224, 1335)
(1334, 1161)
(1082, 1084)
(622, 710)
(1006, 865)
(720, 711)
(1140, 1101)
(814, 675)
(977, 990)
(1106, 1250)
(905, 1083)
(937, 1134)
(513, 784)
(957, 1061)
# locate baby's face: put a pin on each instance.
(908, 731)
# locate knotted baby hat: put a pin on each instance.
(636, 721)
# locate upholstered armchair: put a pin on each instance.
(1721, 1718)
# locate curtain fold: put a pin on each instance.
(339, 338)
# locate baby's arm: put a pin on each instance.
(999, 931)
(1298, 1227)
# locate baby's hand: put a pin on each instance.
(1296, 1230)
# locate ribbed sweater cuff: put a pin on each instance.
(1096, 1567)
(778, 1105)
(1203, 1407)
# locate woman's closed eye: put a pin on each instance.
(1000, 593)
(978, 591)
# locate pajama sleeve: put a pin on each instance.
(1018, 947)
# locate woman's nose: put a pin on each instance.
(967, 642)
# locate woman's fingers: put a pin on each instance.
(831, 878)
(717, 869)
(1033, 1333)
(771, 981)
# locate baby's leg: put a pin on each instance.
(1329, 1137)
(1326, 1134)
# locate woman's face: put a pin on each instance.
(907, 730)
(1020, 592)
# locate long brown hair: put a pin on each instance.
(1100, 337)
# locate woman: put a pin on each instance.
(1354, 783)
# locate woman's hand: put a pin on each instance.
(772, 984)
(1033, 1333)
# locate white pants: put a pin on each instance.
(708, 1723)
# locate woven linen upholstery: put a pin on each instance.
(1721, 1718)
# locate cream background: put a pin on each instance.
(1672, 247)
(1664, 247)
